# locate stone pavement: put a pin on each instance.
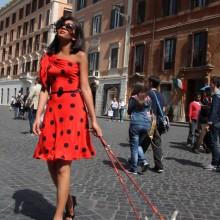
(28, 193)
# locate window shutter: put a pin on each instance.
(166, 7)
(190, 50)
(162, 42)
(84, 4)
(121, 16)
(112, 19)
(174, 52)
(204, 46)
(97, 61)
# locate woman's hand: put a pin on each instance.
(96, 130)
(36, 126)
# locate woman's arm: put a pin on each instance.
(86, 92)
(43, 98)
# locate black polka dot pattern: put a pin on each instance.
(68, 131)
(72, 105)
(83, 149)
(52, 122)
(76, 147)
(60, 106)
(78, 133)
(61, 119)
(61, 133)
(81, 120)
(70, 81)
(92, 153)
(50, 109)
(54, 135)
(71, 118)
(62, 72)
(70, 64)
(66, 145)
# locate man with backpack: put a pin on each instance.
(157, 108)
(214, 124)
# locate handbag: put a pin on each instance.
(110, 113)
(163, 120)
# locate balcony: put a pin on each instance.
(28, 76)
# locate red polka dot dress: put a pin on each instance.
(64, 130)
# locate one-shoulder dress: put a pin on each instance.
(65, 127)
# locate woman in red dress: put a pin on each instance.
(64, 132)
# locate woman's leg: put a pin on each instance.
(52, 167)
(63, 186)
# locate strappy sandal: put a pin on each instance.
(68, 214)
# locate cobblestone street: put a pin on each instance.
(27, 191)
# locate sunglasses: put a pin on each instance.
(68, 27)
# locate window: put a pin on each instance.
(39, 21)
(28, 9)
(37, 42)
(31, 28)
(139, 58)
(17, 50)
(80, 4)
(10, 52)
(1, 25)
(96, 24)
(34, 6)
(3, 54)
(25, 28)
(170, 7)
(169, 53)
(48, 1)
(116, 17)
(94, 1)
(81, 23)
(141, 8)
(40, 3)
(198, 3)
(2, 72)
(2, 95)
(15, 70)
(93, 60)
(23, 47)
(30, 41)
(67, 12)
(18, 32)
(7, 22)
(13, 18)
(200, 49)
(114, 58)
(21, 13)
(45, 38)
(48, 17)
(8, 95)
(5, 38)
(28, 67)
(34, 65)
(11, 35)
(8, 70)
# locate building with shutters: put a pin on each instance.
(177, 40)
(106, 26)
(25, 31)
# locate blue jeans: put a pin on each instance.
(136, 136)
(31, 118)
(214, 145)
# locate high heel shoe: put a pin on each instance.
(68, 212)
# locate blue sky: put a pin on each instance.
(3, 2)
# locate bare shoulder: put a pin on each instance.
(81, 56)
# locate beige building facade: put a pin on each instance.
(25, 32)
(106, 26)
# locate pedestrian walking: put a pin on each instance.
(64, 134)
(194, 110)
(139, 110)
(214, 124)
(114, 108)
(121, 107)
(157, 107)
(32, 102)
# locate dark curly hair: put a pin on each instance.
(77, 45)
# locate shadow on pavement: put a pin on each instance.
(122, 160)
(32, 204)
(180, 145)
(124, 144)
(185, 162)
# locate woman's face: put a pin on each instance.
(66, 30)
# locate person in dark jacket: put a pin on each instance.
(214, 124)
(155, 95)
(140, 123)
